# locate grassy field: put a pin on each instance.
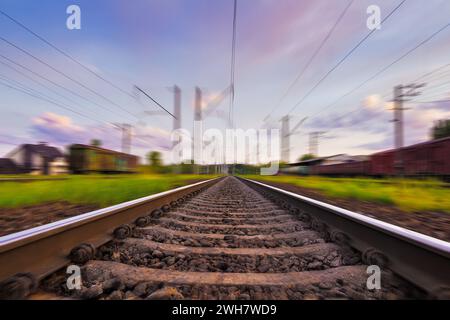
(408, 195)
(102, 190)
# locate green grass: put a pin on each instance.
(406, 194)
(101, 190)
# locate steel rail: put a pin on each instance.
(40, 251)
(418, 258)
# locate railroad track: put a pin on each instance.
(225, 238)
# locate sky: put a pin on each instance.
(156, 44)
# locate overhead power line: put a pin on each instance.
(65, 54)
(437, 86)
(311, 59)
(429, 38)
(436, 96)
(389, 93)
(20, 87)
(40, 97)
(65, 75)
(58, 85)
(438, 76)
(36, 93)
(343, 59)
(39, 83)
(420, 79)
(233, 64)
(437, 101)
(148, 96)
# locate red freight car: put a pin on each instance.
(382, 163)
(430, 158)
(354, 168)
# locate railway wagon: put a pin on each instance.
(86, 159)
(382, 163)
(428, 158)
(355, 168)
(431, 158)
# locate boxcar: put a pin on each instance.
(355, 168)
(85, 159)
(426, 159)
(383, 163)
(431, 158)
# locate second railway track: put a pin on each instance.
(240, 240)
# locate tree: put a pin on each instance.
(305, 157)
(441, 129)
(96, 142)
(154, 158)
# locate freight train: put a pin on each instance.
(90, 159)
(430, 158)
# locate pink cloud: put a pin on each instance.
(289, 29)
(61, 131)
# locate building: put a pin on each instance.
(304, 167)
(340, 159)
(39, 159)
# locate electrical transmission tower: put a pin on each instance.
(176, 111)
(126, 136)
(198, 105)
(314, 142)
(286, 133)
(197, 138)
(399, 98)
(285, 141)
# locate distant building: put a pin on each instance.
(341, 158)
(303, 167)
(330, 160)
(39, 159)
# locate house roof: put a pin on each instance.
(313, 161)
(44, 150)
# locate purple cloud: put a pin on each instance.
(61, 131)
(371, 116)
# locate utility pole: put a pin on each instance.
(398, 117)
(398, 109)
(197, 149)
(314, 142)
(285, 134)
(126, 136)
(198, 104)
(176, 110)
(399, 99)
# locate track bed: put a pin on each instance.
(228, 242)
